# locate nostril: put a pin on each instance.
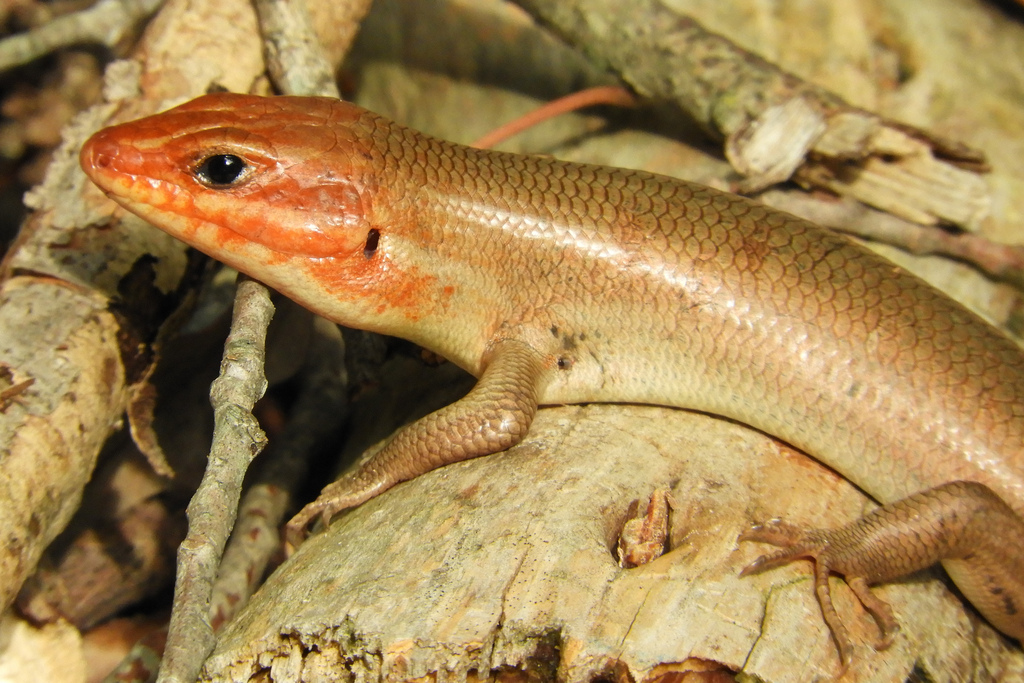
(99, 152)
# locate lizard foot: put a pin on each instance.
(832, 551)
(347, 492)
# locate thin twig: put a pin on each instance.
(317, 412)
(10, 394)
(295, 60)
(105, 23)
(296, 64)
(237, 439)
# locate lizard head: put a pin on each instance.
(284, 189)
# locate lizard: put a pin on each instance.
(555, 282)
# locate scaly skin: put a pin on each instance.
(560, 283)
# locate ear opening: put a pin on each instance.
(372, 239)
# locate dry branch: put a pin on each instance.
(113, 554)
(237, 439)
(775, 125)
(107, 23)
(507, 563)
(63, 339)
(61, 288)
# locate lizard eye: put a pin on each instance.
(220, 170)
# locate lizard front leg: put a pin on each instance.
(494, 416)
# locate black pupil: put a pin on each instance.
(220, 169)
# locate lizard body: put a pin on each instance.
(557, 282)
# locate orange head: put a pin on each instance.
(292, 191)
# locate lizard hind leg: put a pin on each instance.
(817, 545)
(962, 524)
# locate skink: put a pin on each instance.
(556, 282)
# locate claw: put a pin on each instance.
(775, 532)
(297, 529)
(794, 543)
